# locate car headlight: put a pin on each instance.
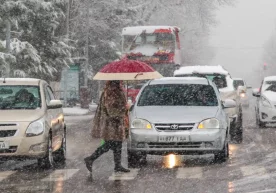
(35, 128)
(242, 95)
(209, 124)
(141, 124)
(266, 103)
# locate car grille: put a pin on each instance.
(175, 145)
(7, 133)
(174, 127)
(12, 149)
(7, 124)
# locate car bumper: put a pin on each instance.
(267, 115)
(244, 100)
(198, 142)
(24, 147)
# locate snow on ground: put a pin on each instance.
(77, 110)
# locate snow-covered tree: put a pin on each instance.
(38, 48)
(107, 18)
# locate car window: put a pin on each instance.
(50, 92)
(238, 83)
(47, 96)
(19, 97)
(270, 82)
(178, 95)
(218, 79)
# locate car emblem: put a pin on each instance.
(174, 127)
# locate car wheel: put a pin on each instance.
(239, 122)
(239, 136)
(259, 122)
(223, 154)
(48, 160)
(60, 155)
(136, 159)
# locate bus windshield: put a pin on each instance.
(158, 41)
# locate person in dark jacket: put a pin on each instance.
(109, 124)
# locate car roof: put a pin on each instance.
(237, 79)
(180, 80)
(270, 78)
(20, 81)
(201, 70)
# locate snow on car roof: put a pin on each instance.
(270, 78)
(136, 30)
(201, 70)
(19, 81)
(180, 80)
(237, 78)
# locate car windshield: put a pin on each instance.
(238, 83)
(272, 88)
(19, 97)
(159, 40)
(178, 95)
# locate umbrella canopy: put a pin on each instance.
(127, 70)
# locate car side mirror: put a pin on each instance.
(256, 92)
(228, 103)
(54, 104)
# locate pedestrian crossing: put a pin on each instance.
(5, 174)
(190, 172)
(177, 173)
(236, 177)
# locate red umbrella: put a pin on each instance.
(127, 70)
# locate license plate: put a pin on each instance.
(4, 145)
(173, 138)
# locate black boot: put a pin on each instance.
(101, 150)
(89, 163)
(121, 169)
(117, 161)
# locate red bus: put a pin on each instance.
(158, 46)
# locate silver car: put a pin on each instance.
(179, 115)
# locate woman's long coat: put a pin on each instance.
(107, 127)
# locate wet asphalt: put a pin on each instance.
(251, 167)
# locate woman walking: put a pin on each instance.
(109, 124)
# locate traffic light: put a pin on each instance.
(265, 66)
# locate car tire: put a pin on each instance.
(259, 122)
(222, 155)
(48, 160)
(60, 155)
(236, 132)
(136, 159)
(239, 136)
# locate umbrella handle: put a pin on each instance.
(141, 73)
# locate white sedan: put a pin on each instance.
(241, 87)
(266, 101)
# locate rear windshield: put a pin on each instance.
(238, 83)
(19, 97)
(270, 82)
(218, 79)
(178, 95)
